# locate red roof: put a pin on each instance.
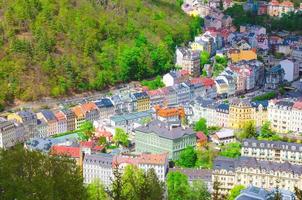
(298, 105)
(274, 3)
(91, 145)
(60, 116)
(201, 136)
(73, 152)
(207, 82)
(100, 132)
(287, 4)
(184, 72)
(154, 92)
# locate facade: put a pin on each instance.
(90, 111)
(291, 70)
(157, 97)
(28, 119)
(188, 60)
(7, 134)
(272, 151)
(170, 96)
(52, 123)
(285, 115)
(106, 107)
(182, 93)
(223, 136)
(250, 171)
(170, 114)
(276, 9)
(158, 137)
(175, 77)
(242, 111)
(141, 101)
(100, 166)
(70, 118)
(62, 122)
(274, 77)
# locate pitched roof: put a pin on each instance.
(201, 136)
(207, 82)
(69, 151)
(153, 159)
(104, 103)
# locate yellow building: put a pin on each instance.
(141, 101)
(240, 55)
(195, 46)
(242, 111)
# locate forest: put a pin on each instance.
(60, 47)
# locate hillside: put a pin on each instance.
(57, 47)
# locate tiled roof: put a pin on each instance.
(49, 116)
(287, 4)
(104, 103)
(169, 112)
(69, 151)
(60, 116)
(153, 159)
(201, 136)
(208, 81)
(87, 107)
(298, 105)
(100, 132)
(195, 174)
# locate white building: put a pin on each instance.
(224, 136)
(101, 166)
(291, 70)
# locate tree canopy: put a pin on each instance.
(187, 157)
(31, 175)
(235, 191)
(201, 125)
(56, 47)
(231, 150)
(120, 137)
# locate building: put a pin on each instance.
(250, 171)
(202, 139)
(276, 9)
(62, 122)
(242, 55)
(195, 174)
(158, 137)
(205, 42)
(272, 151)
(52, 123)
(274, 76)
(183, 93)
(166, 114)
(242, 111)
(73, 152)
(210, 88)
(7, 134)
(141, 101)
(28, 119)
(100, 166)
(291, 70)
(106, 108)
(128, 119)
(258, 193)
(170, 96)
(188, 60)
(175, 77)
(223, 136)
(157, 97)
(85, 112)
(70, 118)
(285, 115)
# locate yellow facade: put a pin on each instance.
(222, 88)
(143, 104)
(197, 47)
(15, 117)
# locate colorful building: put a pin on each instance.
(141, 101)
(166, 114)
(240, 55)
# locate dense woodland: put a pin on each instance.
(56, 47)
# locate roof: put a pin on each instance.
(153, 159)
(103, 159)
(100, 132)
(252, 193)
(298, 105)
(264, 144)
(60, 116)
(104, 103)
(48, 115)
(201, 136)
(26, 114)
(165, 130)
(140, 95)
(230, 164)
(224, 133)
(169, 112)
(69, 151)
(194, 173)
(243, 55)
(207, 81)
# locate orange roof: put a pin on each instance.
(87, 107)
(153, 159)
(60, 116)
(78, 111)
(298, 105)
(287, 4)
(243, 55)
(73, 152)
(169, 112)
(274, 3)
(207, 81)
(201, 136)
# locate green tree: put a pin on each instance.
(115, 190)
(120, 137)
(102, 141)
(153, 84)
(204, 58)
(205, 158)
(201, 125)
(88, 129)
(187, 157)
(31, 175)
(231, 150)
(235, 191)
(216, 194)
(96, 191)
(266, 131)
(298, 193)
(178, 186)
(199, 191)
(248, 131)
